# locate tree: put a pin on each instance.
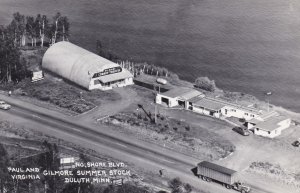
(60, 28)
(104, 52)
(65, 25)
(55, 27)
(18, 29)
(43, 29)
(11, 67)
(177, 186)
(4, 174)
(37, 27)
(205, 83)
(30, 28)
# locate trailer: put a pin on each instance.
(208, 171)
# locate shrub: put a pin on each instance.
(177, 186)
(163, 129)
(205, 83)
(187, 128)
(242, 120)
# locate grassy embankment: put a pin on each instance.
(56, 92)
(275, 172)
(175, 134)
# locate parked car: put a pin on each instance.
(241, 130)
(296, 143)
(4, 105)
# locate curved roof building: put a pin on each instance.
(84, 67)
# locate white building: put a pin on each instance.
(267, 124)
(177, 97)
(217, 108)
(205, 106)
(84, 67)
(270, 127)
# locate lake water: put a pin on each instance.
(251, 46)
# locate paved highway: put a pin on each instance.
(142, 154)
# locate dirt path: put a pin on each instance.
(109, 108)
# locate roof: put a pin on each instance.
(236, 105)
(216, 167)
(217, 104)
(74, 63)
(271, 123)
(266, 115)
(182, 92)
(207, 103)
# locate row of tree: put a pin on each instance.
(11, 66)
(36, 29)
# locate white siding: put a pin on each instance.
(238, 113)
(172, 101)
(274, 133)
(270, 134)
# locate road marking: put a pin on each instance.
(121, 145)
(167, 161)
(36, 116)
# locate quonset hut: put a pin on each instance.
(84, 67)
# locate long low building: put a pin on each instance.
(217, 108)
(84, 67)
(267, 124)
(196, 101)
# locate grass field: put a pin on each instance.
(61, 94)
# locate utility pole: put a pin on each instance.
(268, 99)
(155, 111)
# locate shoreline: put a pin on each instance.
(175, 80)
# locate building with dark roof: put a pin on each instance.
(84, 67)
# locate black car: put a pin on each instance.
(242, 130)
(296, 143)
